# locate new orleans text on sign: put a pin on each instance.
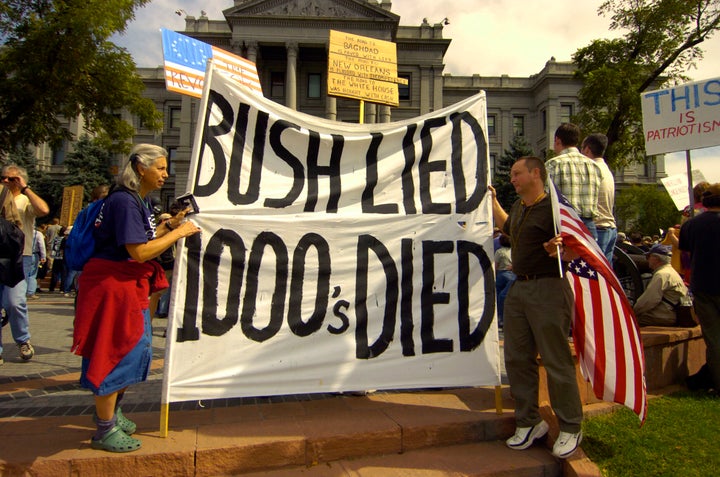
(363, 68)
(332, 255)
(682, 118)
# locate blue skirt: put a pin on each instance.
(133, 368)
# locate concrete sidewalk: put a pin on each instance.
(47, 385)
(45, 421)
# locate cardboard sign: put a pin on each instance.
(363, 68)
(682, 118)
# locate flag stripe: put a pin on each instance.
(606, 336)
(620, 372)
(242, 70)
(182, 80)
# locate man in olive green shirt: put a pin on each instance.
(538, 312)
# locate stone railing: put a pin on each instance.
(671, 354)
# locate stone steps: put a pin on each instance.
(478, 459)
(420, 433)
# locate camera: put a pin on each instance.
(188, 200)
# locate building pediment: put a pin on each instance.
(345, 9)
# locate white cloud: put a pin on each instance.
(489, 37)
(508, 37)
(706, 160)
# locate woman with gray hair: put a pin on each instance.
(112, 330)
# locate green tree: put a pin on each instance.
(505, 191)
(645, 209)
(56, 61)
(88, 165)
(661, 44)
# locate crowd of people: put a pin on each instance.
(534, 302)
(126, 281)
(48, 260)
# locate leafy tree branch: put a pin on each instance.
(660, 46)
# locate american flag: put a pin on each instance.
(605, 332)
(185, 60)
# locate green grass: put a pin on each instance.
(681, 437)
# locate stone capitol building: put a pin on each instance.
(288, 40)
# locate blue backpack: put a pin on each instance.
(80, 244)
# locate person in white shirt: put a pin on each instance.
(14, 299)
(39, 255)
(593, 146)
(577, 177)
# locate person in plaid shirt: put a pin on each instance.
(577, 177)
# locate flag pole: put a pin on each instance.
(556, 223)
(557, 247)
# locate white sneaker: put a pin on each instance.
(566, 444)
(525, 436)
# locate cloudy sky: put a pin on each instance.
(489, 37)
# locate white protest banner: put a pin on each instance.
(682, 118)
(333, 256)
(677, 186)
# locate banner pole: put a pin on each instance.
(164, 418)
(688, 163)
(498, 400)
(362, 111)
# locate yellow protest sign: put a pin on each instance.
(363, 68)
(71, 204)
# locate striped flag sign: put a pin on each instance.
(605, 332)
(185, 60)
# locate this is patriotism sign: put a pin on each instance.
(682, 118)
(333, 256)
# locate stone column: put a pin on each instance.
(236, 46)
(330, 101)
(385, 114)
(437, 88)
(552, 111)
(371, 113)
(426, 92)
(184, 150)
(331, 108)
(252, 50)
(291, 75)
(506, 126)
